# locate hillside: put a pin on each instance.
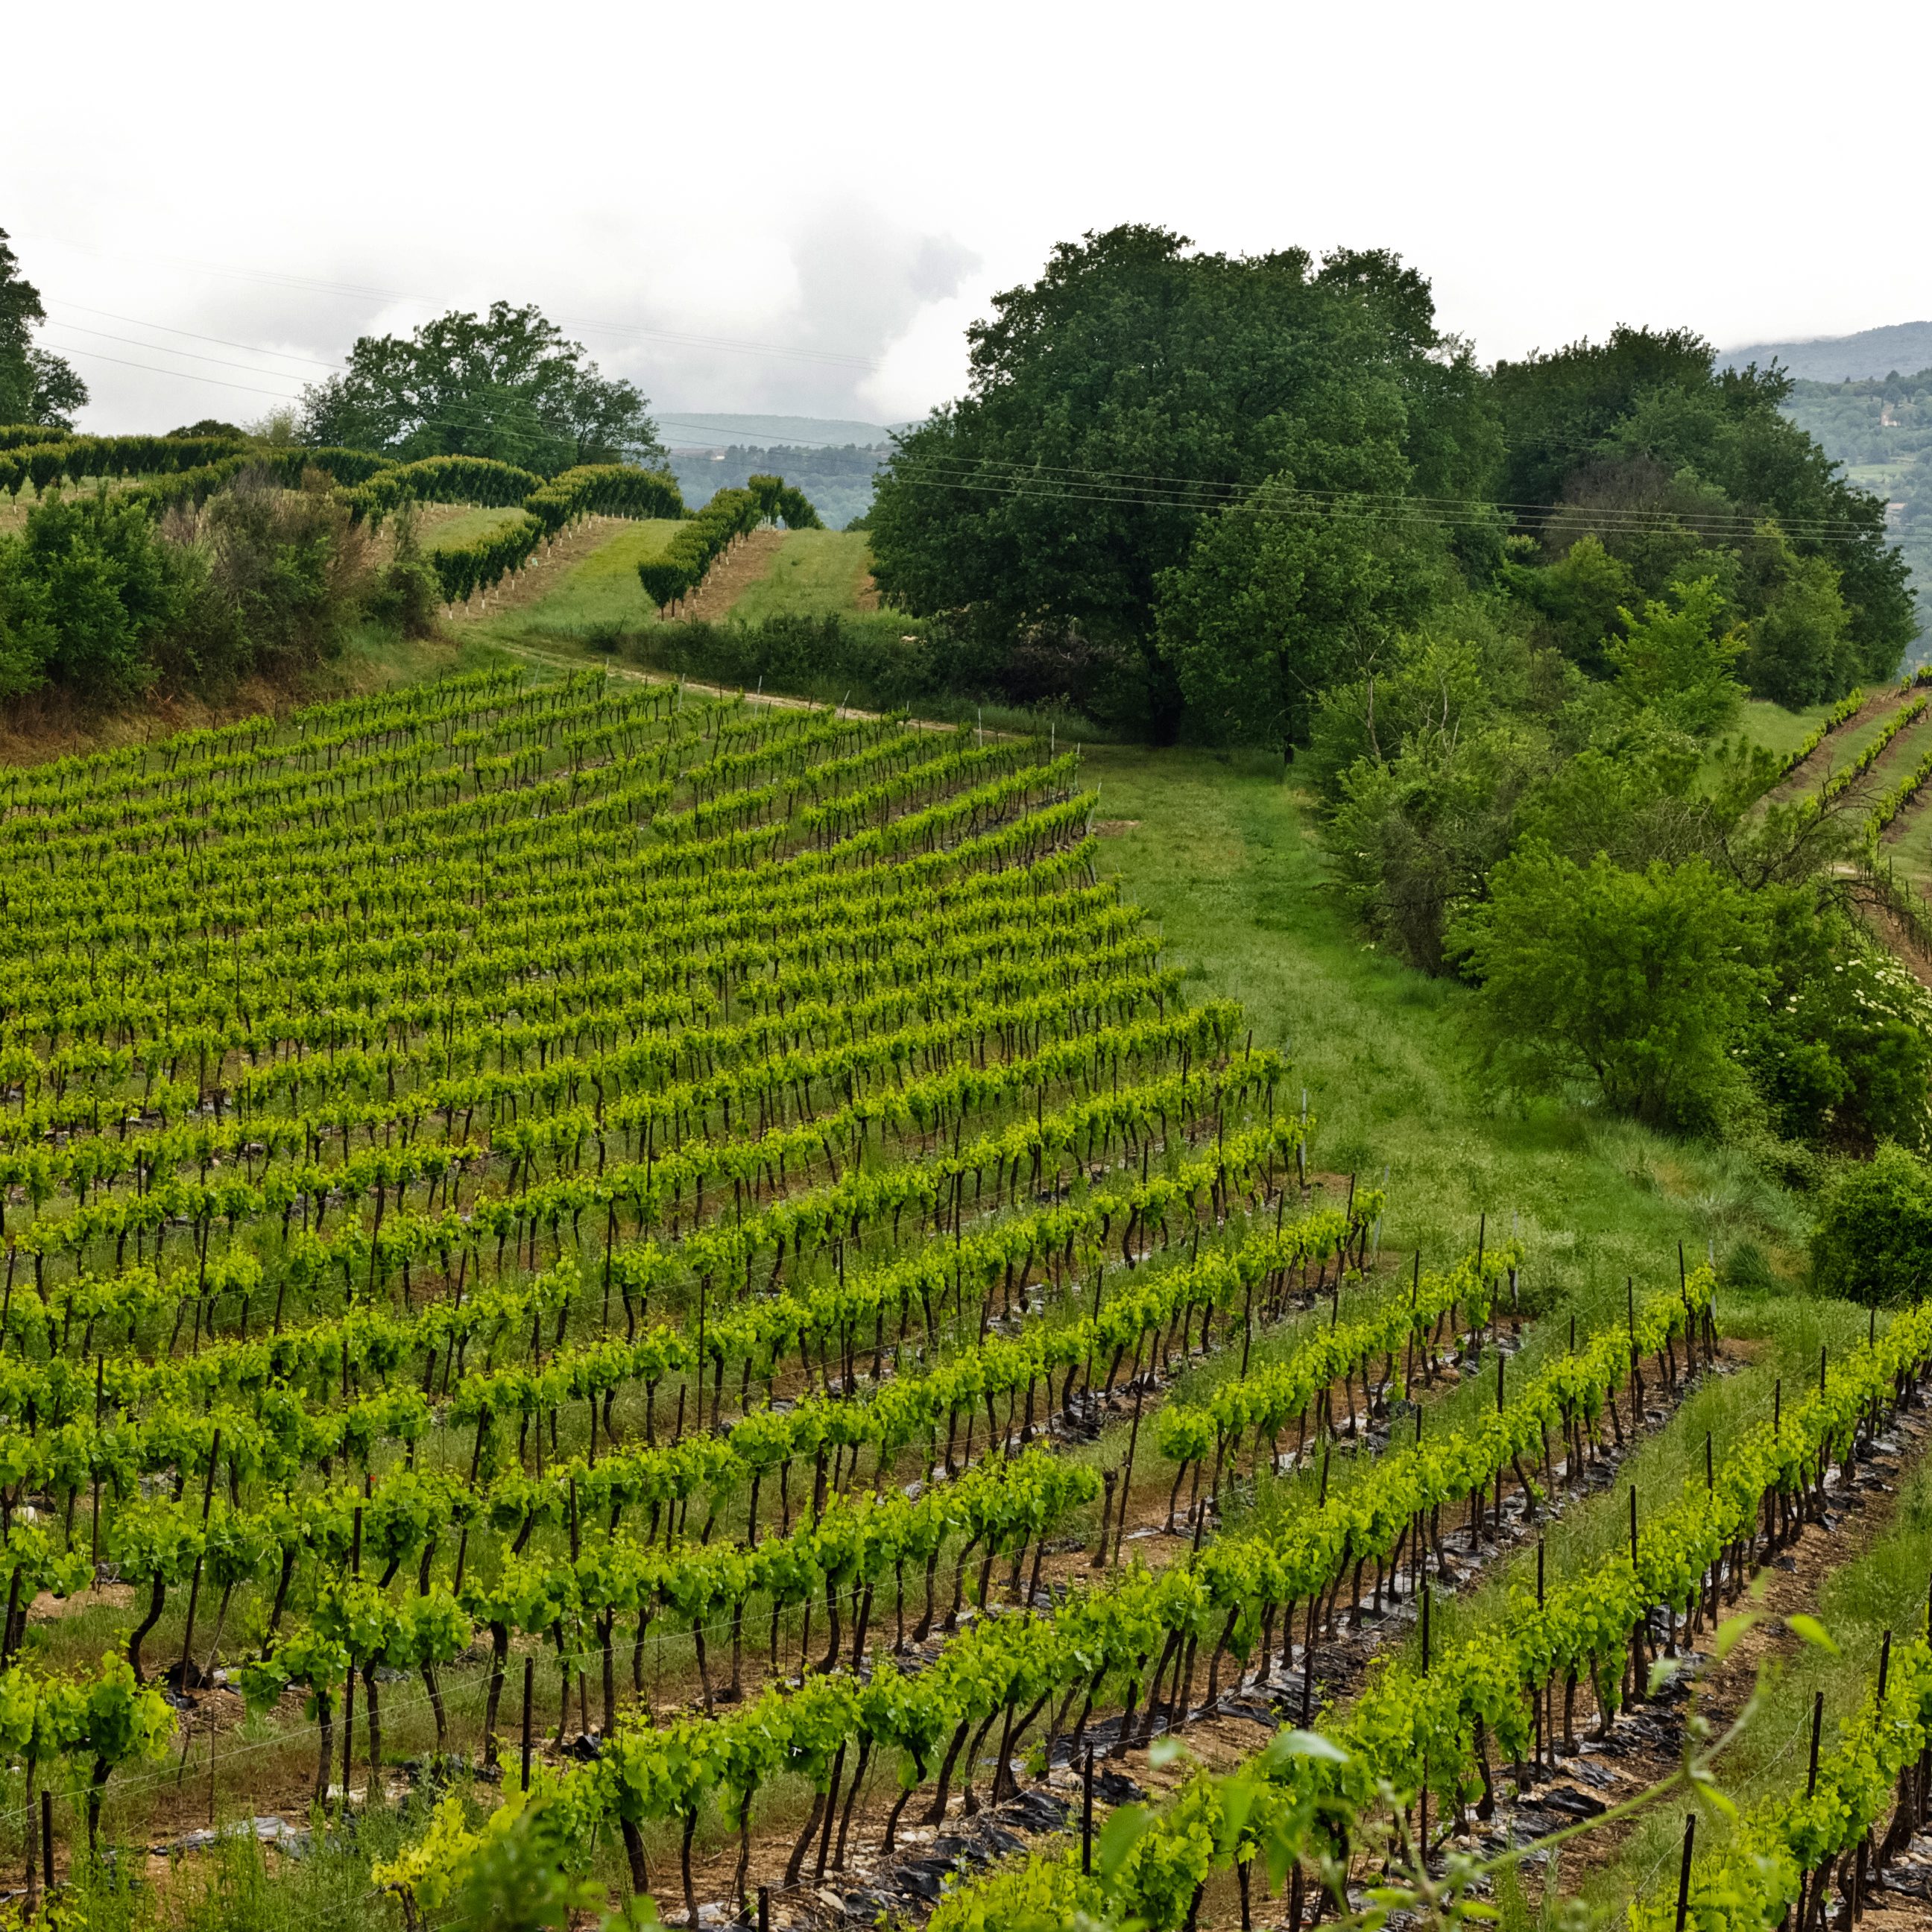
(1880, 429)
(1121, 1102)
(571, 1210)
(1871, 353)
(831, 459)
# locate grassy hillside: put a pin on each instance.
(817, 574)
(592, 583)
(1223, 852)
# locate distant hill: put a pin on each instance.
(830, 460)
(837, 481)
(712, 429)
(1880, 428)
(1903, 347)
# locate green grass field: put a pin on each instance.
(1775, 728)
(602, 588)
(452, 524)
(1224, 853)
(817, 574)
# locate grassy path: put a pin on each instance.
(1223, 852)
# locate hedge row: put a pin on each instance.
(731, 515)
(605, 490)
(58, 458)
(442, 479)
(464, 568)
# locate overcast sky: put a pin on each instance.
(798, 208)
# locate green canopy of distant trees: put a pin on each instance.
(508, 386)
(1123, 404)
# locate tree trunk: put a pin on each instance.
(684, 1868)
(795, 1863)
(324, 1706)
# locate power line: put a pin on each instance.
(775, 442)
(186, 375)
(1156, 485)
(1442, 512)
(162, 349)
(167, 329)
(1126, 487)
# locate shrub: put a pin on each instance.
(1874, 1241)
(291, 567)
(1634, 982)
(89, 594)
(870, 658)
(406, 593)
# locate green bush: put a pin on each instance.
(290, 568)
(1874, 1241)
(89, 592)
(1634, 982)
(102, 598)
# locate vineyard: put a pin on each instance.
(162, 472)
(687, 1266)
(1870, 757)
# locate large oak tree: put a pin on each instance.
(1139, 387)
(507, 385)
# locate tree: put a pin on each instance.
(1800, 650)
(1560, 407)
(1673, 658)
(1280, 598)
(507, 386)
(288, 571)
(36, 386)
(1669, 461)
(1413, 838)
(1874, 1241)
(1577, 598)
(1636, 983)
(1136, 388)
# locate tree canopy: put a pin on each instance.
(507, 386)
(1186, 492)
(1680, 470)
(1137, 389)
(36, 386)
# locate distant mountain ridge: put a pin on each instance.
(716, 429)
(1902, 348)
